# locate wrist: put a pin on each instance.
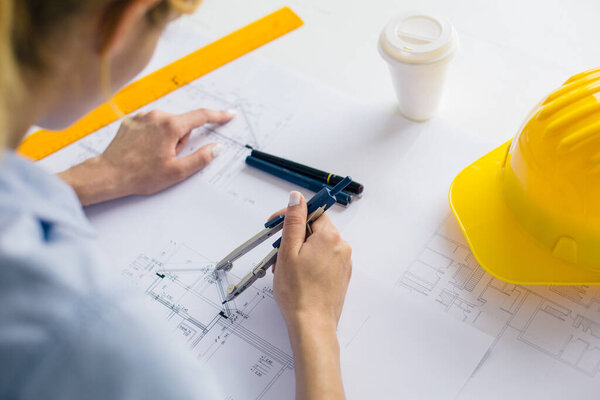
(316, 356)
(311, 336)
(95, 181)
(311, 323)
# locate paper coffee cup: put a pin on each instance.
(418, 49)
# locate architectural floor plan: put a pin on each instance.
(560, 324)
(232, 339)
(245, 341)
(168, 244)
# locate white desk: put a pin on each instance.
(511, 54)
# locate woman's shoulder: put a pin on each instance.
(27, 190)
(47, 257)
(44, 235)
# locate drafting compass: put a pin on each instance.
(317, 205)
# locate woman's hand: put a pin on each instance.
(142, 158)
(310, 283)
(312, 276)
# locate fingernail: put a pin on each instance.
(217, 149)
(232, 113)
(294, 199)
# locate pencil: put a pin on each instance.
(294, 177)
(316, 174)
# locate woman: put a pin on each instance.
(61, 334)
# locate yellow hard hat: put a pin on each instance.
(530, 209)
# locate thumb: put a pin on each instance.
(294, 225)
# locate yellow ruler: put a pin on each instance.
(167, 79)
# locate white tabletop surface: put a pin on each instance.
(511, 53)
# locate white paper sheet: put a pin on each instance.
(547, 339)
(168, 245)
(389, 345)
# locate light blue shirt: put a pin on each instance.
(67, 331)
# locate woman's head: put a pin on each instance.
(55, 53)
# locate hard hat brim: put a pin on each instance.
(497, 240)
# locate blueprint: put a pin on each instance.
(245, 341)
(547, 339)
(548, 335)
(182, 281)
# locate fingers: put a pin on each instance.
(197, 118)
(325, 233)
(277, 214)
(181, 125)
(322, 223)
(140, 115)
(294, 225)
(199, 159)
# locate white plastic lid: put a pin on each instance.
(418, 38)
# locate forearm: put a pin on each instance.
(94, 181)
(317, 360)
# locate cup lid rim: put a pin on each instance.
(410, 47)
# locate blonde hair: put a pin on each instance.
(9, 79)
(26, 25)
